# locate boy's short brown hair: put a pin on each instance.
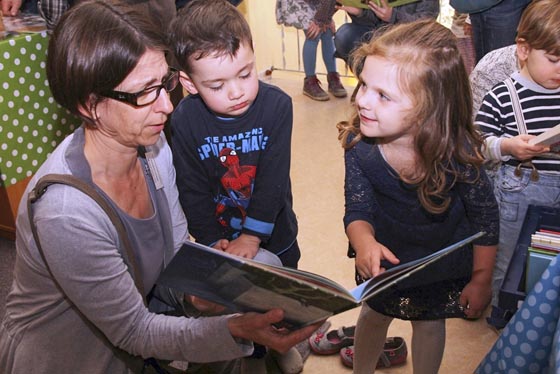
(540, 26)
(207, 27)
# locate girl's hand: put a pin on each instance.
(475, 298)
(313, 30)
(519, 147)
(383, 11)
(245, 246)
(368, 260)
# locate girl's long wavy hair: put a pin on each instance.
(432, 72)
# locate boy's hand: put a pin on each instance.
(221, 245)
(245, 246)
(259, 328)
(519, 147)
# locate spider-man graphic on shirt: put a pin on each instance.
(238, 182)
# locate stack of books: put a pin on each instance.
(545, 245)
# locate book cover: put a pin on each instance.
(243, 285)
(550, 137)
(364, 3)
(537, 262)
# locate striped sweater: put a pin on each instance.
(496, 119)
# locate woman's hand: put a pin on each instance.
(259, 328)
(204, 306)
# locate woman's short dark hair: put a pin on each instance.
(93, 48)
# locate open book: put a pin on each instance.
(364, 3)
(243, 285)
(550, 137)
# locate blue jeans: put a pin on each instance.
(496, 27)
(310, 53)
(349, 36)
(514, 195)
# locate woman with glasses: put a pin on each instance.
(77, 303)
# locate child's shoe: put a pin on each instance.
(312, 88)
(330, 343)
(335, 86)
(394, 353)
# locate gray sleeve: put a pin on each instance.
(80, 246)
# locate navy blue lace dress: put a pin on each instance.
(375, 193)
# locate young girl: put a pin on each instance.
(415, 184)
(315, 18)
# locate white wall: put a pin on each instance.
(280, 47)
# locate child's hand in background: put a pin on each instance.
(519, 147)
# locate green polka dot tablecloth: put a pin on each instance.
(32, 124)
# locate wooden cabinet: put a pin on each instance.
(9, 202)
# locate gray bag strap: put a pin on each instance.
(69, 180)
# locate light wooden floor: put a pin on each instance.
(317, 180)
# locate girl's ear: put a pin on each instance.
(187, 83)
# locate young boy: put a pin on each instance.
(231, 138)
(528, 175)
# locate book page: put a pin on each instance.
(398, 273)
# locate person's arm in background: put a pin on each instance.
(10, 7)
(404, 13)
(52, 10)
(414, 11)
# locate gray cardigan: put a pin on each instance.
(74, 325)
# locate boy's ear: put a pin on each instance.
(187, 83)
(523, 49)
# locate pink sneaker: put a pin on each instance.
(333, 341)
(394, 353)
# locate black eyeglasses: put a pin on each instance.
(148, 95)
